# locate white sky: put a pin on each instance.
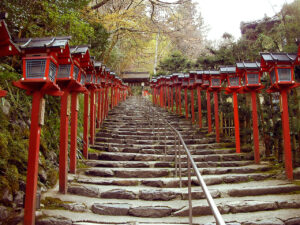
(222, 16)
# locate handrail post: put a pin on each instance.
(175, 148)
(190, 191)
(179, 148)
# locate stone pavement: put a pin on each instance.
(130, 180)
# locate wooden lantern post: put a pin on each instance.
(198, 85)
(192, 81)
(215, 87)
(68, 80)
(80, 56)
(172, 84)
(40, 66)
(175, 85)
(185, 85)
(281, 69)
(233, 87)
(250, 74)
(180, 82)
(167, 84)
(205, 86)
(7, 46)
(98, 67)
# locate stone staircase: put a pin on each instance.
(130, 179)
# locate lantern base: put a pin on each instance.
(2, 93)
(278, 88)
(45, 87)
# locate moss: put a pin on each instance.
(12, 175)
(53, 203)
(52, 177)
(81, 165)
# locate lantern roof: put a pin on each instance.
(107, 70)
(206, 72)
(98, 64)
(186, 75)
(278, 57)
(227, 69)
(80, 49)
(199, 71)
(214, 72)
(43, 43)
(193, 72)
(248, 65)
(7, 46)
(168, 77)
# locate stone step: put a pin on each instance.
(160, 164)
(172, 182)
(124, 156)
(168, 172)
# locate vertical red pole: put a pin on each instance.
(186, 104)
(172, 99)
(217, 116)
(165, 97)
(179, 98)
(255, 128)
(63, 152)
(102, 103)
(286, 135)
(99, 109)
(33, 160)
(92, 117)
(199, 106)
(74, 123)
(176, 98)
(111, 97)
(85, 125)
(192, 105)
(236, 123)
(106, 102)
(169, 98)
(161, 97)
(208, 111)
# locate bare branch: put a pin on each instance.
(100, 4)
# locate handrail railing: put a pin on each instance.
(190, 161)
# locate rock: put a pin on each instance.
(251, 206)
(150, 211)
(113, 149)
(200, 194)
(116, 156)
(42, 175)
(265, 222)
(53, 221)
(153, 183)
(76, 207)
(100, 172)
(197, 211)
(19, 199)
(6, 197)
(84, 190)
(118, 194)
(293, 221)
(263, 190)
(5, 107)
(4, 213)
(141, 173)
(111, 209)
(288, 204)
(125, 182)
(296, 173)
(235, 178)
(157, 195)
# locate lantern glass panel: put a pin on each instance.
(82, 80)
(185, 82)
(234, 81)
(192, 81)
(64, 71)
(273, 76)
(215, 82)
(35, 68)
(88, 78)
(284, 74)
(75, 72)
(253, 78)
(206, 82)
(198, 80)
(52, 71)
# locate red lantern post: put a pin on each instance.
(234, 86)
(40, 57)
(172, 85)
(185, 85)
(215, 87)
(251, 75)
(192, 81)
(81, 57)
(67, 79)
(281, 69)
(205, 86)
(198, 84)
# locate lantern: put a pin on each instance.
(215, 79)
(185, 81)
(250, 74)
(281, 69)
(198, 78)
(192, 79)
(206, 79)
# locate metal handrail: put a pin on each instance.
(216, 213)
